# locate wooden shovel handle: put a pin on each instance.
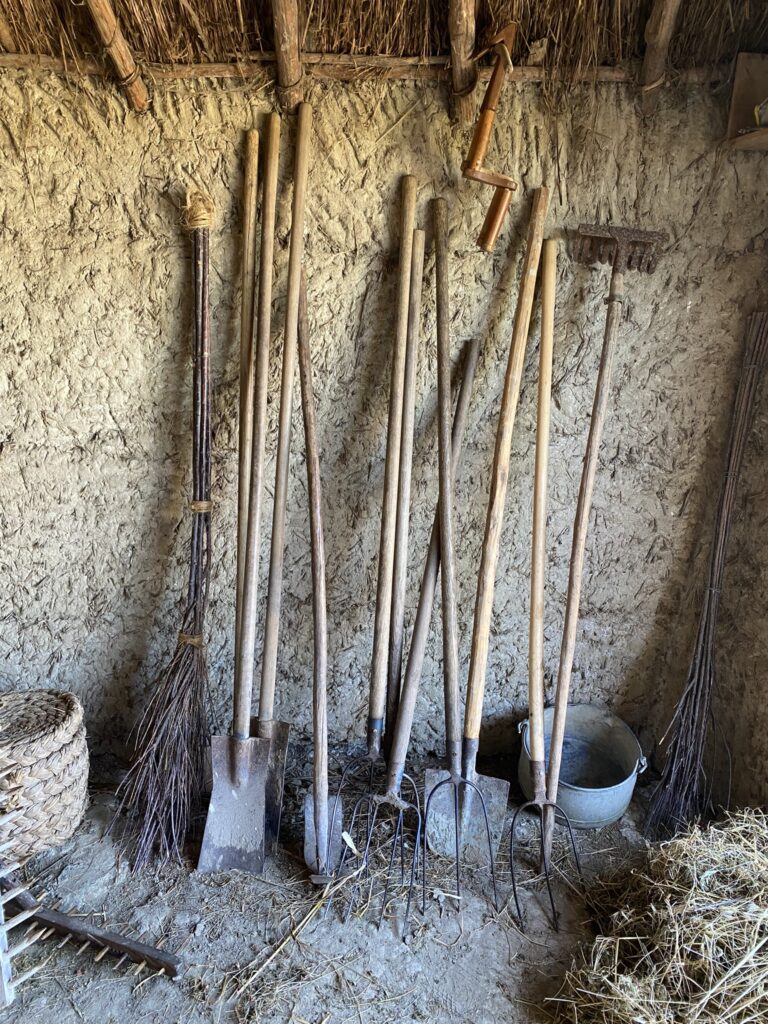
(379, 662)
(500, 473)
(277, 551)
(245, 419)
(539, 549)
(580, 528)
(246, 633)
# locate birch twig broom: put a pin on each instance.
(164, 786)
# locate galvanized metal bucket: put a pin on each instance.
(601, 762)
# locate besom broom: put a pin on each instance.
(164, 786)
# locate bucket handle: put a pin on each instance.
(642, 764)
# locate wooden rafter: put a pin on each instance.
(7, 40)
(345, 68)
(114, 42)
(461, 25)
(658, 34)
(290, 85)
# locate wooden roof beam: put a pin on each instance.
(7, 40)
(461, 26)
(658, 34)
(290, 76)
(114, 42)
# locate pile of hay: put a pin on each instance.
(689, 940)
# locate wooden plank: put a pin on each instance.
(461, 26)
(290, 87)
(114, 42)
(346, 68)
(750, 87)
(658, 35)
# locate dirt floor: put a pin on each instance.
(246, 956)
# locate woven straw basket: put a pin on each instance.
(42, 741)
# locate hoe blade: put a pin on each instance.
(441, 824)
(330, 845)
(234, 828)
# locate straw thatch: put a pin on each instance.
(571, 34)
(689, 940)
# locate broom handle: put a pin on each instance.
(277, 551)
(539, 550)
(245, 418)
(421, 624)
(379, 662)
(499, 480)
(400, 568)
(320, 668)
(244, 665)
(580, 527)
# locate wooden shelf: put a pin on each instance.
(750, 87)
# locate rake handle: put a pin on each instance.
(246, 633)
(539, 550)
(379, 661)
(499, 481)
(423, 619)
(402, 524)
(277, 551)
(579, 543)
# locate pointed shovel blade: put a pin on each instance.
(234, 828)
(441, 824)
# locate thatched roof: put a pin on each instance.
(578, 33)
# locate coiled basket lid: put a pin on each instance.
(44, 767)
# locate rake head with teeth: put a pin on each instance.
(622, 248)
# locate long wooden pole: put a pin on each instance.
(319, 603)
(114, 42)
(578, 548)
(342, 67)
(499, 478)
(7, 40)
(290, 341)
(290, 88)
(380, 658)
(403, 518)
(539, 548)
(246, 655)
(245, 422)
(461, 27)
(658, 35)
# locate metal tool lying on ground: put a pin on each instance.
(625, 249)
(322, 831)
(17, 895)
(234, 831)
(474, 166)
(377, 700)
(166, 781)
(483, 800)
(455, 781)
(368, 804)
(538, 573)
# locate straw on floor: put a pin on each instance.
(164, 787)
(685, 939)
